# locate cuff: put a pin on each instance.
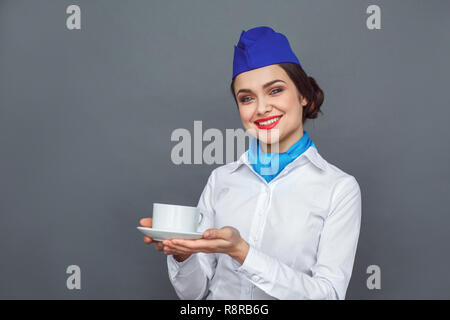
(255, 267)
(184, 267)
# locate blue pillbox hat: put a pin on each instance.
(260, 47)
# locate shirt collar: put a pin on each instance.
(311, 154)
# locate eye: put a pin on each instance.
(275, 90)
(243, 99)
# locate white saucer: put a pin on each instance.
(160, 235)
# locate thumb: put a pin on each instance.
(146, 222)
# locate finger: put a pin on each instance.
(159, 246)
(173, 251)
(167, 250)
(146, 222)
(186, 250)
(180, 250)
(168, 243)
(211, 233)
(148, 239)
(199, 244)
(180, 253)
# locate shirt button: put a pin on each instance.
(255, 278)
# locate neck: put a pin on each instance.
(285, 144)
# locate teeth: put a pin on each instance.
(265, 123)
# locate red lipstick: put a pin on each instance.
(270, 125)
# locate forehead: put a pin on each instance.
(257, 77)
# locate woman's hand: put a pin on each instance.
(224, 240)
(147, 222)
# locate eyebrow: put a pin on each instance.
(268, 84)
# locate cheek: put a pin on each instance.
(292, 110)
(246, 115)
(295, 113)
(292, 106)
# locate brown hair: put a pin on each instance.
(306, 86)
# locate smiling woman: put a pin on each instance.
(282, 96)
(306, 86)
(280, 222)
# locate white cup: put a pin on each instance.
(172, 217)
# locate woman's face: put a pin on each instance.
(268, 93)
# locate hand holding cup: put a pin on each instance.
(148, 222)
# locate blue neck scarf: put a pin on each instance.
(266, 164)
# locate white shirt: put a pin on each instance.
(302, 228)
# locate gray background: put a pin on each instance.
(86, 118)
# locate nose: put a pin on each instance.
(263, 107)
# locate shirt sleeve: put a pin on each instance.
(335, 256)
(191, 277)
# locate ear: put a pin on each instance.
(303, 101)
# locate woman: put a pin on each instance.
(281, 222)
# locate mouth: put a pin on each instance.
(268, 123)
